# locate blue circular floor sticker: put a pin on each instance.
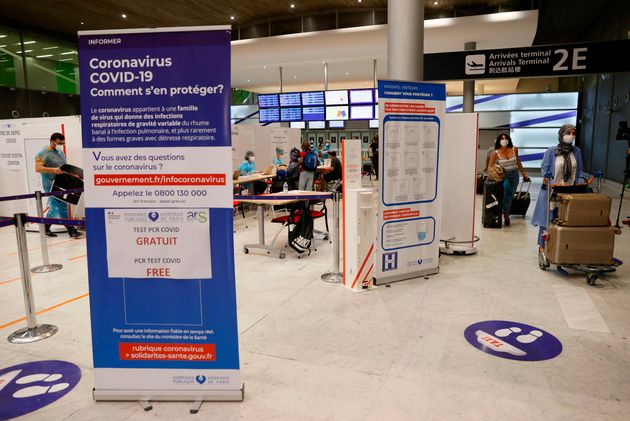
(27, 387)
(513, 340)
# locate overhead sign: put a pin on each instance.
(27, 387)
(411, 115)
(513, 340)
(157, 151)
(544, 60)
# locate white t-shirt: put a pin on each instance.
(558, 179)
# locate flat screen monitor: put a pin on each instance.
(269, 115)
(336, 124)
(316, 124)
(361, 96)
(339, 112)
(298, 125)
(313, 98)
(291, 114)
(361, 112)
(314, 113)
(268, 100)
(293, 99)
(373, 124)
(337, 97)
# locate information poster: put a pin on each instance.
(408, 228)
(11, 148)
(157, 156)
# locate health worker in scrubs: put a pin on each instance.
(48, 162)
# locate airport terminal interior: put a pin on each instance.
(331, 321)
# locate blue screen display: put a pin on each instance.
(268, 100)
(269, 115)
(314, 113)
(291, 100)
(313, 98)
(291, 114)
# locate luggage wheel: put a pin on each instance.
(282, 255)
(245, 250)
(562, 271)
(591, 278)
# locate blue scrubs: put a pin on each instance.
(53, 158)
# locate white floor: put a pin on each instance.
(314, 351)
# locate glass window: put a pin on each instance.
(51, 64)
(11, 70)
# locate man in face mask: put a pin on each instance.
(48, 162)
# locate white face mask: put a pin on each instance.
(252, 159)
(59, 147)
(567, 138)
(504, 142)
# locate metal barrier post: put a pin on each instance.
(46, 266)
(335, 277)
(32, 332)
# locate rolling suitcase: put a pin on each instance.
(584, 210)
(481, 177)
(491, 216)
(521, 200)
(580, 245)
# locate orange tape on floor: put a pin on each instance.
(45, 310)
(15, 279)
(49, 245)
(77, 257)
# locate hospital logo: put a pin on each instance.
(200, 379)
(154, 216)
(475, 64)
(390, 261)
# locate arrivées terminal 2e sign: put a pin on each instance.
(537, 61)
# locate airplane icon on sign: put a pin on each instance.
(473, 64)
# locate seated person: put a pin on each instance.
(248, 167)
(336, 172)
(277, 161)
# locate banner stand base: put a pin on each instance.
(406, 276)
(144, 396)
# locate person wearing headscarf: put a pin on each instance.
(564, 162)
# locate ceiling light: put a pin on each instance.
(67, 52)
(44, 56)
(28, 42)
(231, 17)
(82, 23)
(50, 48)
(66, 59)
(248, 80)
(294, 77)
(264, 67)
(347, 73)
(359, 1)
(292, 6)
(124, 16)
(3, 36)
(435, 3)
(28, 51)
(2, 46)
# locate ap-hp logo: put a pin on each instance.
(390, 261)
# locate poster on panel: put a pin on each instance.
(411, 115)
(158, 160)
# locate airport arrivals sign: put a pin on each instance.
(155, 107)
(538, 61)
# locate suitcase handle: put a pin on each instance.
(520, 191)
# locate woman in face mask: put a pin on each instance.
(247, 166)
(564, 162)
(506, 155)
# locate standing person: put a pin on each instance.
(374, 148)
(564, 162)
(308, 161)
(506, 155)
(48, 162)
(325, 150)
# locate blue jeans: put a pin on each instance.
(510, 184)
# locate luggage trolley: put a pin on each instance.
(592, 272)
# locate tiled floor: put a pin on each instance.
(314, 351)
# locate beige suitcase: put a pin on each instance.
(580, 245)
(584, 210)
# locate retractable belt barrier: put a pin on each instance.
(32, 195)
(320, 196)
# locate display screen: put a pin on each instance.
(376, 112)
(314, 113)
(290, 100)
(336, 97)
(339, 112)
(375, 95)
(316, 124)
(268, 100)
(298, 125)
(313, 98)
(361, 112)
(373, 124)
(361, 96)
(269, 115)
(336, 125)
(291, 114)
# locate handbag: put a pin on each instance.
(496, 173)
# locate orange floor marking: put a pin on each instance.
(49, 245)
(77, 257)
(21, 319)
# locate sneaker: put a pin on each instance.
(74, 234)
(506, 220)
(50, 234)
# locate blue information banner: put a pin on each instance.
(155, 108)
